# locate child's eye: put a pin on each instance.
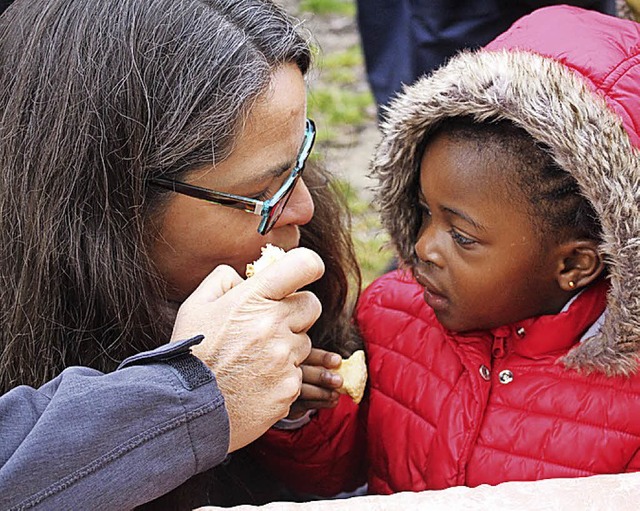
(460, 239)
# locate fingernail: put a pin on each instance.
(335, 359)
(336, 380)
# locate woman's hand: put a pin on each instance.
(255, 338)
(318, 383)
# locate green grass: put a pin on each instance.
(324, 7)
(339, 106)
(370, 241)
(341, 67)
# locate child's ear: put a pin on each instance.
(579, 265)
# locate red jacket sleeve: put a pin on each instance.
(634, 464)
(324, 457)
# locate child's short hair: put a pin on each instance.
(555, 203)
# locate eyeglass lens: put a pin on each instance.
(278, 208)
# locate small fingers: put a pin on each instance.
(313, 393)
(315, 405)
(320, 357)
(320, 377)
(300, 407)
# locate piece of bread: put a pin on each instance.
(354, 375)
(270, 254)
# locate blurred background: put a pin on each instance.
(343, 107)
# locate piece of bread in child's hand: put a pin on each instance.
(354, 375)
(270, 254)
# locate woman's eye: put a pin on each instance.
(424, 209)
(271, 189)
(460, 239)
(262, 196)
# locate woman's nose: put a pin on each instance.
(299, 209)
(428, 246)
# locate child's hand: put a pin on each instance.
(318, 383)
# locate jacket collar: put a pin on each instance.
(557, 333)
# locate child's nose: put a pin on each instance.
(299, 209)
(428, 246)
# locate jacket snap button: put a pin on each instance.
(520, 332)
(505, 376)
(484, 372)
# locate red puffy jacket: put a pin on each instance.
(554, 396)
(446, 409)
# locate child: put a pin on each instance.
(509, 182)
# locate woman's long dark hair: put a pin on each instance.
(97, 98)
(329, 235)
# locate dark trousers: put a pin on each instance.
(403, 39)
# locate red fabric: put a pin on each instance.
(430, 419)
(434, 422)
(324, 457)
(611, 69)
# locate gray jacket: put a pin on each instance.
(88, 440)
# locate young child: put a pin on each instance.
(508, 347)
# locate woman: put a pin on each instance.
(124, 125)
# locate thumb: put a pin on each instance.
(298, 267)
(222, 279)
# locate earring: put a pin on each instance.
(572, 284)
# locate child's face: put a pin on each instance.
(482, 262)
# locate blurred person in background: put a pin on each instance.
(404, 39)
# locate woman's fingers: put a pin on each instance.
(297, 268)
(302, 310)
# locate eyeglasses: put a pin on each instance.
(270, 209)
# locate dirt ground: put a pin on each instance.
(348, 159)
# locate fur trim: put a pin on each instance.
(586, 138)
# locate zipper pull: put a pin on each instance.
(499, 348)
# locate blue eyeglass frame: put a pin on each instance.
(267, 209)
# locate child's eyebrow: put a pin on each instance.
(464, 217)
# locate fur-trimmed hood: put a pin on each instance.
(571, 78)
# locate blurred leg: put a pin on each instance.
(388, 52)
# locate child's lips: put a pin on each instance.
(434, 300)
(432, 295)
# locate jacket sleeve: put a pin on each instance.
(88, 440)
(324, 457)
(634, 464)
(327, 456)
